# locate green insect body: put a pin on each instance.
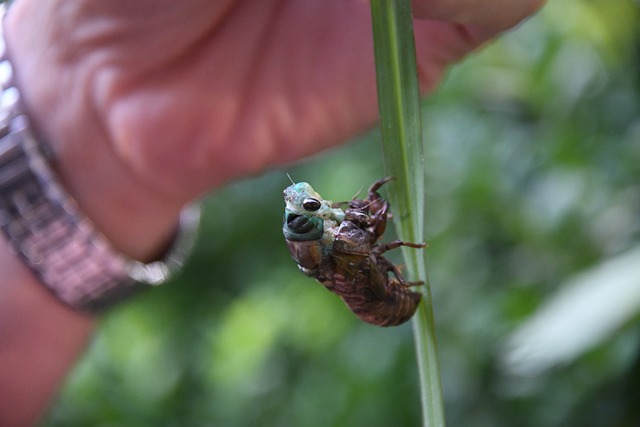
(339, 249)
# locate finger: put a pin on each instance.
(495, 15)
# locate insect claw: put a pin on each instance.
(415, 245)
(379, 183)
(411, 284)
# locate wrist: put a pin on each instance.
(40, 340)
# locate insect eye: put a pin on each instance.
(310, 204)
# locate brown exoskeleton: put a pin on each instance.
(339, 249)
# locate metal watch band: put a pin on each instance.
(47, 230)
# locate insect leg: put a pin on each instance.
(379, 217)
(339, 204)
(388, 266)
(380, 249)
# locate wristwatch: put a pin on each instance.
(45, 227)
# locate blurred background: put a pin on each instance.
(533, 217)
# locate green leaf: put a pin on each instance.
(401, 128)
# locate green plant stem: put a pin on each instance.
(401, 128)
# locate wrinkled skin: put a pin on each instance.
(340, 250)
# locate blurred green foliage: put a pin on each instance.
(533, 162)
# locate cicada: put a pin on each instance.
(339, 248)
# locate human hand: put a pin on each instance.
(149, 104)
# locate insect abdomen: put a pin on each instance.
(397, 309)
(394, 306)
